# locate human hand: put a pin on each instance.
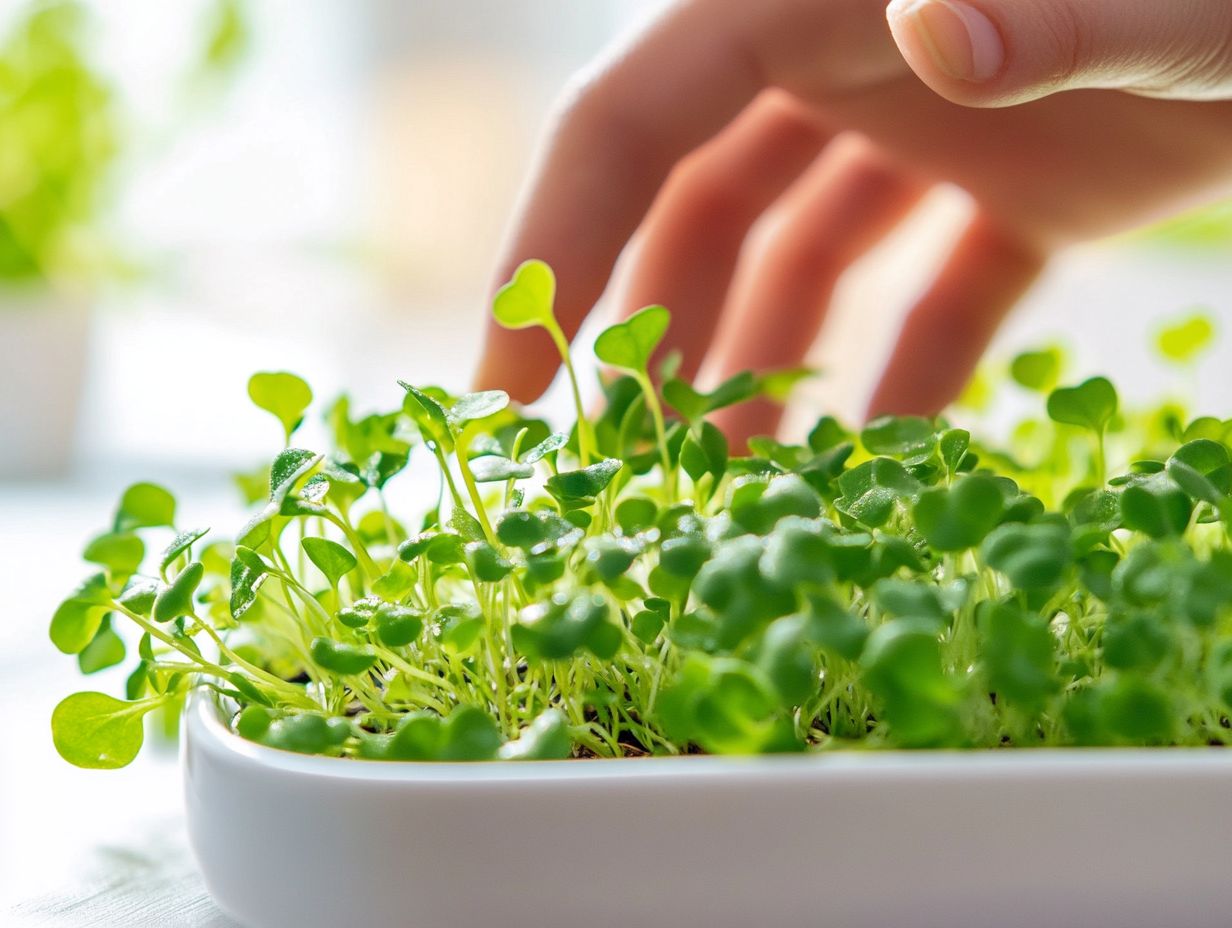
(1064, 120)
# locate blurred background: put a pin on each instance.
(193, 191)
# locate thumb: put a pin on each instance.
(1001, 52)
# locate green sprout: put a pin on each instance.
(650, 593)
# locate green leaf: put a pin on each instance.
(1182, 342)
(96, 731)
(120, 552)
(1033, 557)
(341, 658)
(287, 469)
(175, 599)
(105, 650)
(546, 738)
(692, 404)
(871, 490)
(469, 734)
(527, 299)
(78, 619)
(180, 544)
(283, 395)
(552, 443)
(397, 626)
(472, 407)
(248, 573)
(1090, 405)
(1019, 654)
(704, 452)
(902, 436)
(628, 345)
(331, 558)
(584, 484)
(959, 517)
(1038, 370)
(493, 469)
(144, 505)
(430, 416)
(1156, 506)
(902, 665)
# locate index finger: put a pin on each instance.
(679, 83)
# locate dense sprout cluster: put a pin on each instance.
(632, 587)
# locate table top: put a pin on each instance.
(77, 847)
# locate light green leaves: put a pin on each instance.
(1090, 405)
(472, 407)
(494, 469)
(144, 505)
(1038, 370)
(96, 731)
(1183, 341)
(78, 618)
(527, 299)
(331, 558)
(341, 658)
(283, 395)
(628, 345)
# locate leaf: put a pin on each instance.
(105, 650)
(430, 416)
(959, 517)
(901, 436)
(284, 395)
(492, 469)
(1182, 342)
(870, 490)
(96, 731)
(704, 452)
(175, 599)
(553, 442)
(692, 404)
(1156, 506)
(1038, 370)
(474, 406)
(78, 619)
(527, 299)
(181, 543)
(340, 658)
(331, 558)
(144, 505)
(1019, 654)
(289, 467)
(248, 573)
(1090, 405)
(628, 345)
(546, 738)
(120, 552)
(583, 484)
(1033, 557)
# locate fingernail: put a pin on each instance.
(960, 39)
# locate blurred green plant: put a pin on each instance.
(59, 137)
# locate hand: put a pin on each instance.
(1064, 120)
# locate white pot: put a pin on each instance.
(44, 340)
(1022, 838)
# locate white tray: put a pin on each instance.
(1046, 839)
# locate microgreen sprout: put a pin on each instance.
(643, 591)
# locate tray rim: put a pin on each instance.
(205, 727)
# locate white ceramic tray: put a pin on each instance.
(1046, 839)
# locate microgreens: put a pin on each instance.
(642, 589)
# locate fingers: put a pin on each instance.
(689, 244)
(1000, 52)
(948, 329)
(682, 82)
(844, 205)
